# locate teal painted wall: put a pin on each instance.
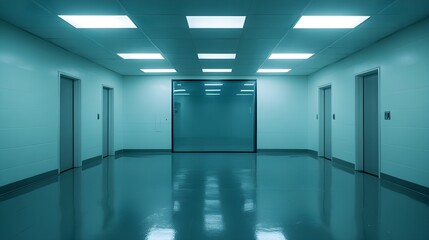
(29, 104)
(404, 83)
(281, 111)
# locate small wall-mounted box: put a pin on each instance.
(387, 115)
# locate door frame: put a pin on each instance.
(359, 166)
(110, 150)
(255, 126)
(321, 118)
(77, 161)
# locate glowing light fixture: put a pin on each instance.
(281, 70)
(213, 84)
(168, 70)
(216, 55)
(99, 21)
(140, 55)
(330, 21)
(216, 70)
(291, 55)
(216, 21)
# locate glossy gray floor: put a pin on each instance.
(214, 196)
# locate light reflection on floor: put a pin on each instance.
(214, 196)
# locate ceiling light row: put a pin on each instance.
(123, 21)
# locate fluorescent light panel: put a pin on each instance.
(213, 94)
(213, 84)
(247, 90)
(216, 21)
(213, 90)
(249, 84)
(216, 55)
(181, 94)
(290, 55)
(244, 94)
(167, 70)
(140, 55)
(280, 70)
(330, 21)
(99, 21)
(214, 70)
(179, 90)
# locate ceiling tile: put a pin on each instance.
(128, 45)
(346, 7)
(278, 6)
(281, 63)
(216, 45)
(408, 7)
(175, 46)
(82, 7)
(309, 40)
(257, 46)
(83, 47)
(217, 63)
(215, 8)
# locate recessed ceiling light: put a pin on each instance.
(216, 55)
(290, 55)
(281, 70)
(140, 55)
(249, 84)
(99, 21)
(181, 94)
(247, 90)
(244, 94)
(216, 21)
(213, 84)
(179, 90)
(215, 70)
(212, 94)
(159, 70)
(213, 90)
(330, 21)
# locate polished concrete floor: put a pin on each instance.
(214, 196)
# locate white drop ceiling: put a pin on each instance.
(162, 28)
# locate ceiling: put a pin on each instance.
(162, 28)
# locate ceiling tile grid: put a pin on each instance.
(162, 28)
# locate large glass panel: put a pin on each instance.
(214, 116)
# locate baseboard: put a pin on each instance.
(145, 151)
(298, 151)
(19, 185)
(343, 164)
(119, 152)
(410, 185)
(91, 162)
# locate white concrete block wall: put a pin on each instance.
(281, 109)
(404, 80)
(29, 104)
